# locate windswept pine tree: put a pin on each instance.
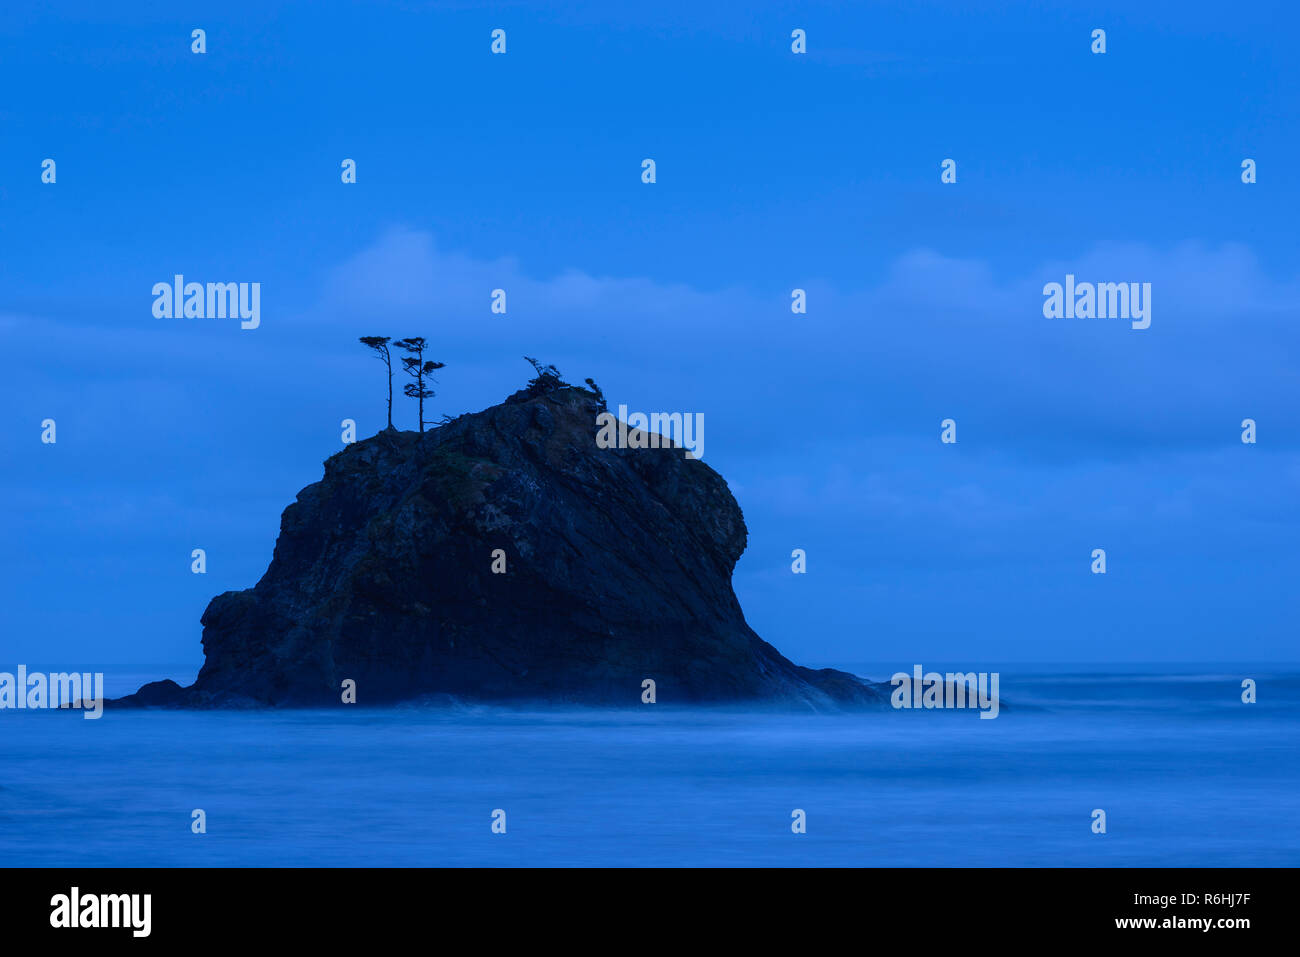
(420, 369)
(380, 345)
(548, 378)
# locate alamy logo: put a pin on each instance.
(179, 299)
(1103, 300)
(656, 430)
(59, 690)
(949, 690)
(133, 911)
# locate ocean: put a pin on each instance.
(1186, 774)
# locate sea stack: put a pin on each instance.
(502, 556)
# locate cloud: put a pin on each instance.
(939, 337)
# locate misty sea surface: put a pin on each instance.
(1187, 774)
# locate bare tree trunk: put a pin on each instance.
(419, 382)
(388, 359)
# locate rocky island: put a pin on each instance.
(502, 556)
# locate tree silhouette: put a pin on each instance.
(380, 345)
(600, 396)
(548, 378)
(418, 368)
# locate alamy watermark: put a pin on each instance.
(179, 299)
(656, 430)
(1102, 300)
(75, 909)
(948, 690)
(58, 690)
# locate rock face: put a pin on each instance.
(618, 568)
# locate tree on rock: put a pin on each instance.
(548, 378)
(380, 345)
(420, 369)
(595, 390)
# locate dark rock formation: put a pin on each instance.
(618, 569)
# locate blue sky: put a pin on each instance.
(775, 171)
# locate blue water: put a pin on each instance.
(1187, 774)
